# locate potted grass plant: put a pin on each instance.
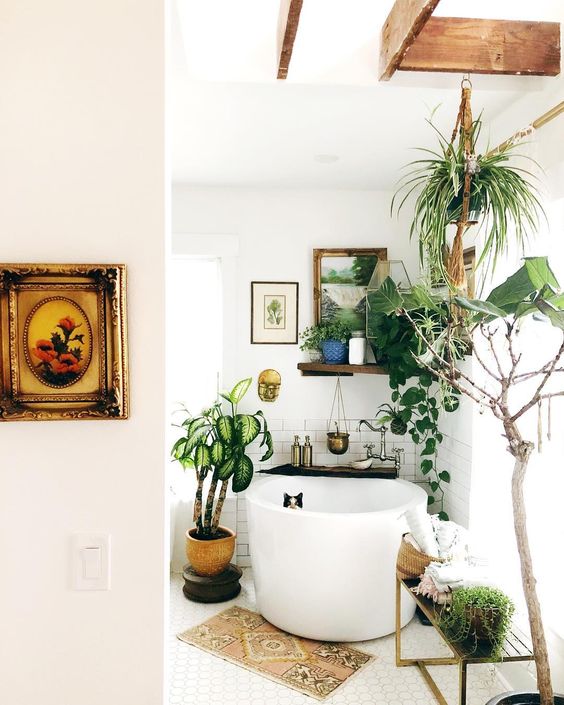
(494, 324)
(214, 445)
(502, 197)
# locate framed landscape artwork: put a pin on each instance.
(340, 278)
(63, 342)
(274, 313)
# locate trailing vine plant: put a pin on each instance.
(416, 400)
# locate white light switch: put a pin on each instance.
(91, 561)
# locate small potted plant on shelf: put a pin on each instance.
(478, 614)
(331, 337)
(214, 445)
(311, 343)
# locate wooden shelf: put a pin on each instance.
(319, 369)
(379, 471)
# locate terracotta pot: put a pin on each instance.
(484, 621)
(519, 698)
(210, 557)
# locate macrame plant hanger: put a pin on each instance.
(462, 130)
(340, 412)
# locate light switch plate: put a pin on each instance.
(91, 561)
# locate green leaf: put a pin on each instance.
(425, 379)
(484, 307)
(422, 409)
(202, 456)
(177, 450)
(439, 437)
(225, 471)
(515, 289)
(443, 516)
(430, 500)
(445, 476)
(412, 396)
(434, 414)
(194, 425)
(243, 473)
(227, 396)
(248, 428)
(217, 453)
(421, 298)
(451, 403)
(386, 299)
(555, 316)
(225, 429)
(267, 440)
(540, 273)
(426, 466)
(240, 389)
(415, 437)
(434, 485)
(395, 395)
(430, 447)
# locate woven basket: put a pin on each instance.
(411, 563)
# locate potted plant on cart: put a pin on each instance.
(494, 324)
(214, 445)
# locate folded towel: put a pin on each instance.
(420, 526)
(455, 575)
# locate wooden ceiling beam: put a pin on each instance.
(464, 45)
(404, 23)
(288, 28)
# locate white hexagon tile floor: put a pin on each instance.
(199, 678)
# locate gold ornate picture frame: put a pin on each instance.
(340, 278)
(63, 338)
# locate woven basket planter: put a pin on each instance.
(411, 563)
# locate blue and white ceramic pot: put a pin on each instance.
(335, 352)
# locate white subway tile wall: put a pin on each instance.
(283, 432)
(456, 457)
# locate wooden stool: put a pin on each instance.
(217, 588)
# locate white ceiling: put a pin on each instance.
(235, 124)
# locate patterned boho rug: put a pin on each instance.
(246, 639)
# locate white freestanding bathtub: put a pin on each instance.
(327, 571)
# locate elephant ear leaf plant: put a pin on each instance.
(214, 445)
(497, 326)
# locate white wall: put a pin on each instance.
(82, 180)
(276, 232)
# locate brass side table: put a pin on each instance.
(516, 646)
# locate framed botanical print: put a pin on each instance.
(63, 342)
(340, 279)
(274, 313)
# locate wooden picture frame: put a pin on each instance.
(63, 342)
(274, 313)
(326, 310)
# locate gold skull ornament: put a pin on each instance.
(269, 382)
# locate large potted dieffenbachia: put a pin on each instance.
(493, 324)
(214, 445)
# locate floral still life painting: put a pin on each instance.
(63, 342)
(58, 353)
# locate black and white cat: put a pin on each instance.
(294, 502)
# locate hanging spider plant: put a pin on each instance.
(503, 198)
